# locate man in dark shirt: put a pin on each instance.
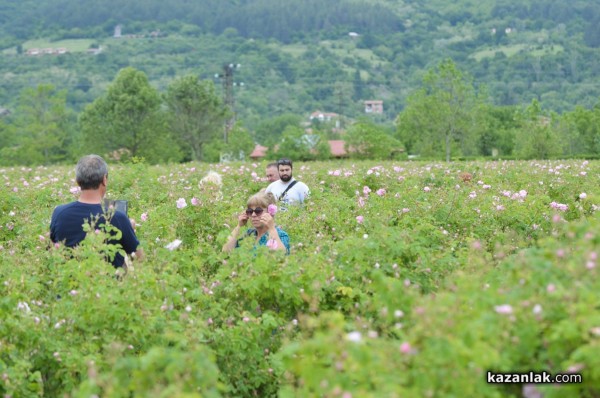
(67, 221)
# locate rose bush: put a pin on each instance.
(404, 279)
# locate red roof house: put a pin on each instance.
(259, 152)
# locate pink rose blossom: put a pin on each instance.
(360, 219)
(426, 189)
(272, 209)
(582, 195)
(405, 348)
(366, 190)
(195, 201)
(181, 203)
(504, 309)
(272, 244)
(380, 192)
(144, 216)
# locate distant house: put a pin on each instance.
(323, 116)
(374, 106)
(259, 152)
(353, 34)
(4, 111)
(117, 33)
(47, 51)
(336, 148)
(94, 51)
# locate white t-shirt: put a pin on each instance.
(297, 193)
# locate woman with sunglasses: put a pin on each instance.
(261, 212)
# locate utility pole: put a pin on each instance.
(228, 100)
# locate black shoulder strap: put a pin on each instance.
(287, 189)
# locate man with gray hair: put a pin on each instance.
(67, 221)
(272, 172)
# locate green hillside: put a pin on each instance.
(299, 56)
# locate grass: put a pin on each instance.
(73, 45)
(511, 50)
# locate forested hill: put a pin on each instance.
(285, 21)
(288, 21)
(297, 56)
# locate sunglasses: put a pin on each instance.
(258, 211)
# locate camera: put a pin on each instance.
(120, 205)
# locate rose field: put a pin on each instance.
(405, 279)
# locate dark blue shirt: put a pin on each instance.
(68, 220)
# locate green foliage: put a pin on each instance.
(442, 115)
(197, 114)
(538, 137)
(127, 119)
(297, 144)
(42, 132)
(269, 131)
(404, 279)
(366, 140)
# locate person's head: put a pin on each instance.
(91, 173)
(284, 166)
(259, 204)
(272, 172)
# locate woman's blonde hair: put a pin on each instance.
(262, 199)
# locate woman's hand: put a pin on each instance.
(267, 221)
(242, 219)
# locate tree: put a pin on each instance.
(441, 115)
(537, 138)
(584, 127)
(128, 118)
(238, 147)
(41, 131)
(196, 113)
(268, 132)
(298, 145)
(366, 140)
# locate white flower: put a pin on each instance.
(173, 245)
(355, 337)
